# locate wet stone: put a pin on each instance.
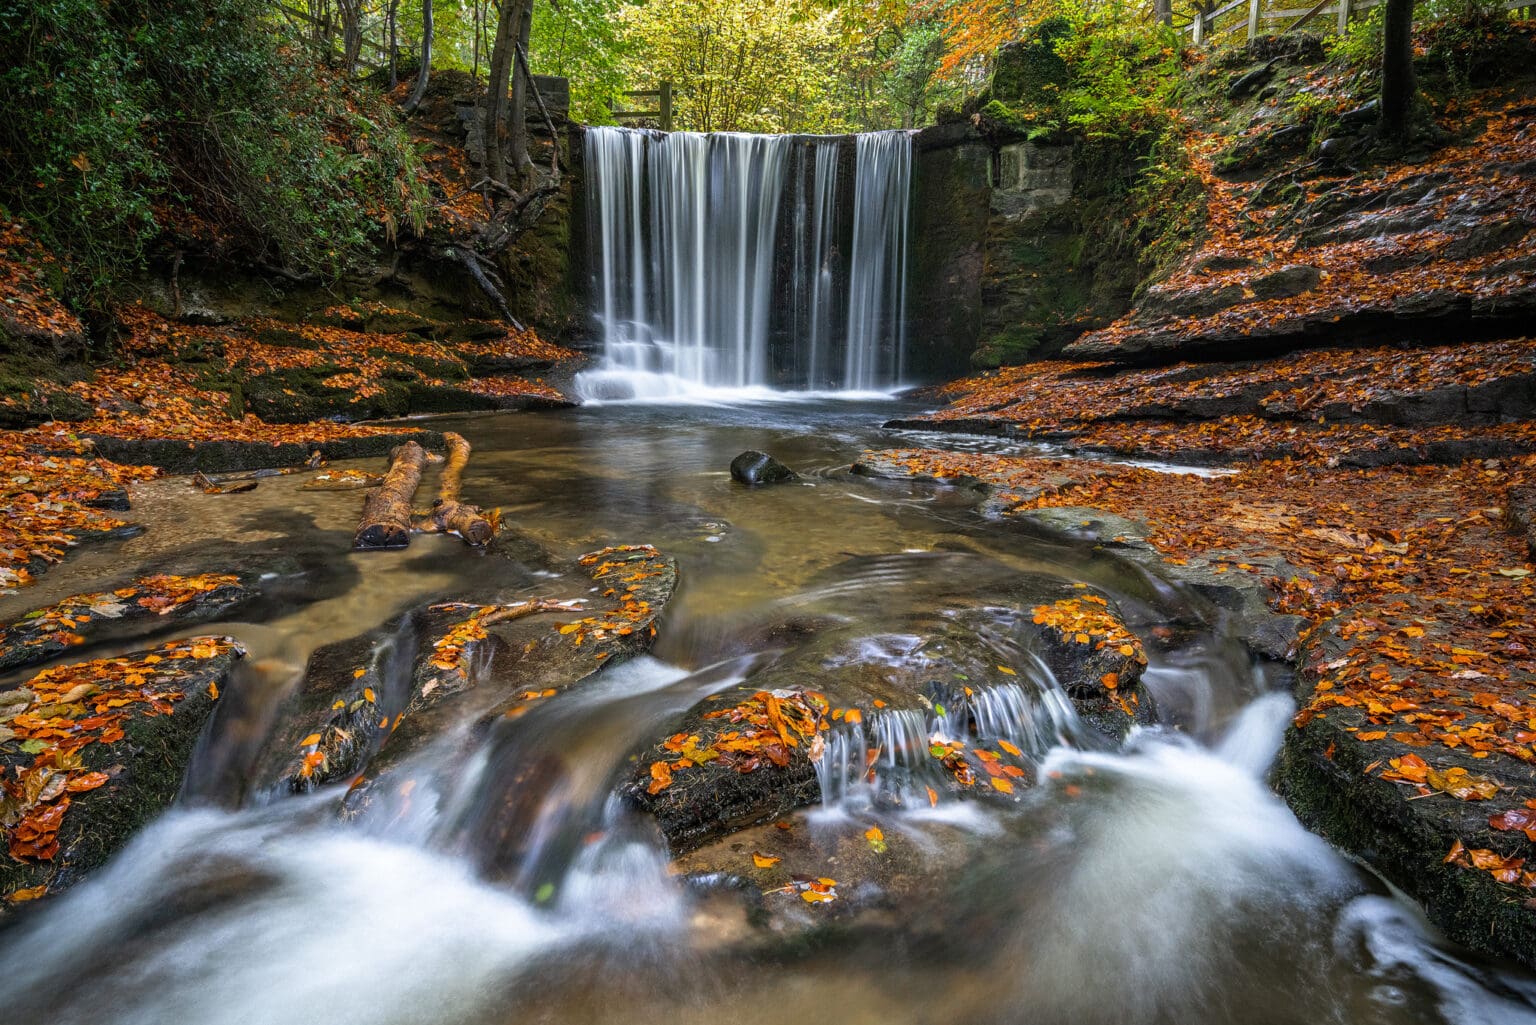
(753, 468)
(90, 752)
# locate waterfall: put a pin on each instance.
(878, 272)
(727, 261)
(815, 282)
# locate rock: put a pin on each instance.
(753, 468)
(366, 704)
(1339, 149)
(136, 719)
(1367, 114)
(1248, 83)
(163, 601)
(222, 456)
(1332, 780)
(1286, 282)
(1010, 652)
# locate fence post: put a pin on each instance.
(1253, 18)
(1344, 6)
(666, 106)
(1199, 27)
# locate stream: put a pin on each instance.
(1158, 882)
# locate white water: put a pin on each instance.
(876, 348)
(700, 281)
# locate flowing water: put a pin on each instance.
(1161, 882)
(733, 261)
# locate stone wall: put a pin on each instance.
(1008, 259)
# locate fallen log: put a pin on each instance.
(386, 519)
(449, 515)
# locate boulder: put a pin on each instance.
(753, 468)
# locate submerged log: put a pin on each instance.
(449, 515)
(386, 519)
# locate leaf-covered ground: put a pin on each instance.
(1323, 407)
(1301, 246)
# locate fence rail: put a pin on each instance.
(1203, 26)
(662, 113)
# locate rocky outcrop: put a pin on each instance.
(368, 703)
(994, 675)
(92, 751)
(1012, 261)
(1414, 808)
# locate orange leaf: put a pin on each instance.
(764, 860)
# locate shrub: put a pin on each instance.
(131, 117)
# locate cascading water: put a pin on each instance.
(726, 261)
(877, 287)
(815, 281)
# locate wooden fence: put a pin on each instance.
(662, 113)
(1225, 19)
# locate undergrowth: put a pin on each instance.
(133, 120)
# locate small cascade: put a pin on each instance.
(876, 348)
(888, 760)
(729, 261)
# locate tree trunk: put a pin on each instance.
(449, 515)
(508, 26)
(386, 521)
(1162, 11)
(1397, 85)
(351, 34)
(521, 161)
(394, 49)
(425, 71)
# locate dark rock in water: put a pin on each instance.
(133, 721)
(368, 703)
(163, 601)
(753, 467)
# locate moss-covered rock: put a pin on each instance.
(137, 718)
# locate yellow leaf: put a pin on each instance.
(873, 833)
(813, 897)
(368, 695)
(358, 674)
(764, 860)
(1005, 669)
(313, 738)
(999, 783)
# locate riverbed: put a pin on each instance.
(1158, 881)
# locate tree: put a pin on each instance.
(1397, 82)
(521, 162)
(423, 73)
(748, 65)
(509, 27)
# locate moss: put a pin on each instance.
(1010, 346)
(1321, 775)
(1030, 70)
(286, 337)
